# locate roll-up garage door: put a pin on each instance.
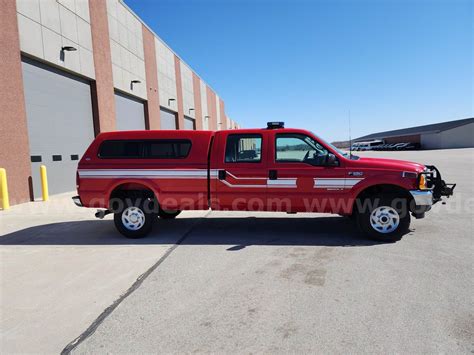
(130, 113)
(60, 124)
(189, 123)
(168, 119)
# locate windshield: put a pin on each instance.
(344, 154)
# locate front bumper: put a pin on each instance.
(423, 200)
(436, 184)
(422, 197)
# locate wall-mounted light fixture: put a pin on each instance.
(64, 49)
(207, 116)
(69, 48)
(170, 100)
(134, 82)
(191, 109)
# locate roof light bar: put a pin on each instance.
(273, 125)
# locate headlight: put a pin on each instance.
(422, 182)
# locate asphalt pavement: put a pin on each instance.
(236, 282)
(275, 283)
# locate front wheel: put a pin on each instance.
(134, 221)
(383, 219)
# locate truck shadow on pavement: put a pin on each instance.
(235, 232)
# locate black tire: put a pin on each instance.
(164, 214)
(383, 218)
(350, 217)
(140, 215)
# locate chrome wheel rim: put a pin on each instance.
(384, 219)
(133, 218)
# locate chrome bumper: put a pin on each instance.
(77, 201)
(422, 198)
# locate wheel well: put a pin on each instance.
(385, 189)
(131, 190)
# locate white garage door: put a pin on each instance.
(130, 113)
(189, 123)
(60, 124)
(168, 119)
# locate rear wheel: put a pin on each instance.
(383, 218)
(135, 219)
(168, 214)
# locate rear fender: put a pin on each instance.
(131, 184)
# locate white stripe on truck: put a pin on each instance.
(145, 173)
(319, 183)
(328, 183)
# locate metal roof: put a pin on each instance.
(430, 128)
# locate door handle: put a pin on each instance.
(222, 174)
(272, 174)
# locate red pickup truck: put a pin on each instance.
(142, 175)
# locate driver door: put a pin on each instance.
(299, 178)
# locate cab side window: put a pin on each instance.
(243, 148)
(298, 148)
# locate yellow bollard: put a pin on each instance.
(44, 183)
(4, 199)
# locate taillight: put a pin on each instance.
(77, 180)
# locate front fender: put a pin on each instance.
(371, 182)
(399, 181)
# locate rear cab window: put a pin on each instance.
(145, 149)
(243, 148)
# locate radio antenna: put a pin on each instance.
(350, 137)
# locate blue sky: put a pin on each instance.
(393, 64)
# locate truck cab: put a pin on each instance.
(139, 175)
(274, 169)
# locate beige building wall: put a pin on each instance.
(188, 91)
(218, 114)
(459, 137)
(126, 45)
(431, 141)
(197, 101)
(205, 111)
(45, 26)
(166, 76)
(223, 117)
(48, 25)
(109, 42)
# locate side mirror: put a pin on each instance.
(331, 160)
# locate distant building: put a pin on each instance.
(341, 144)
(445, 135)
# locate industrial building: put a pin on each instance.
(445, 135)
(74, 68)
